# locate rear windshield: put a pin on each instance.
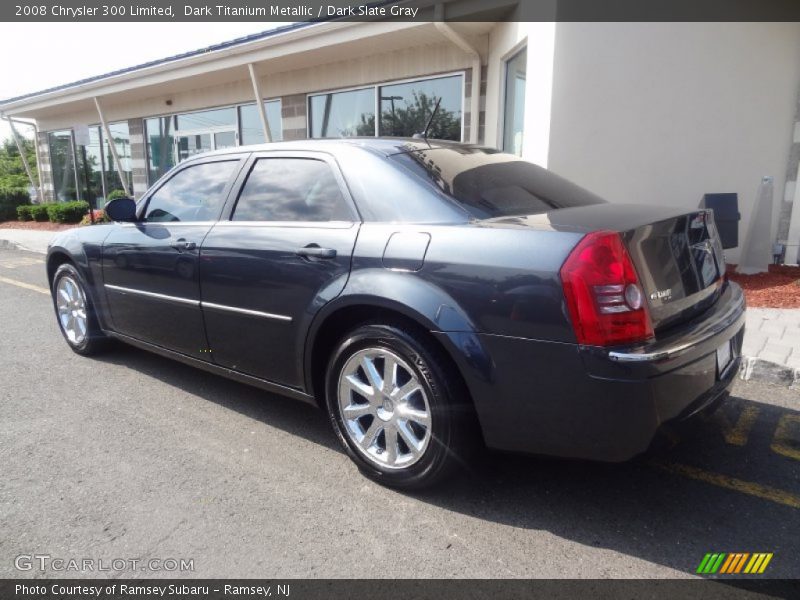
(490, 184)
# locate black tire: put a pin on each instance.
(94, 340)
(453, 433)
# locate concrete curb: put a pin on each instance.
(757, 369)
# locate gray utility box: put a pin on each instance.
(726, 216)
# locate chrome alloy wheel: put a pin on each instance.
(71, 304)
(384, 408)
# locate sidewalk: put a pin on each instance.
(25, 239)
(771, 342)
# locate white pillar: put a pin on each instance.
(259, 102)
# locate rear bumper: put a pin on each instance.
(595, 403)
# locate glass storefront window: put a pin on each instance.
(207, 119)
(160, 151)
(90, 167)
(251, 130)
(407, 107)
(122, 141)
(342, 114)
(63, 165)
(514, 110)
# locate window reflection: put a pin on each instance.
(514, 115)
(62, 165)
(160, 152)
(407, 107)
(193, 194)
(122, 142)
(205, 119)
(252, 132)
(291, 189)
(342, 114)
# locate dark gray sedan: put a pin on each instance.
(431, 297)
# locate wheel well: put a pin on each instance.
(338, 323)
(54, 261)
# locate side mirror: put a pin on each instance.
(121, 209)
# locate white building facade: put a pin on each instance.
(658, 113)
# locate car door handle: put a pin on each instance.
(314, 251)
(181, 245)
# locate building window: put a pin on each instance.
(404, 108)
(62, 161)
(514, 110)
(342, 114)
(250, 123)
(122, 143)
(207, 119)
(407, 107)
(160, 146)
(90, 166)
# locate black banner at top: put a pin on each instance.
(398, 10)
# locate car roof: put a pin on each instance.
(383, 146)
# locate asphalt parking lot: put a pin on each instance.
(132, 456)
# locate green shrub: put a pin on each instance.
(10, 199)
(67, 212)
(114, 194)
(24, 212)
(39, 212)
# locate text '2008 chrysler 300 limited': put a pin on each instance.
(429, 296)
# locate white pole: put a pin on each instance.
(113, 148)
(259, 102)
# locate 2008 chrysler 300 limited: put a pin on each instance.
(430, 296)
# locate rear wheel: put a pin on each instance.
(402, 416)
(75, 312)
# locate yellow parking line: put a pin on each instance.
(784, 441)
(731, 483)
(27, 286)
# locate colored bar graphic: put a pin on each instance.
(734, 562)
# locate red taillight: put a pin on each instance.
(604, 298)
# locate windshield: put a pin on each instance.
(491, 184)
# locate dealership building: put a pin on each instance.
(656, 113)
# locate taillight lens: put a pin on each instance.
(604, 297)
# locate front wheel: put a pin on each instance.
(400, 412)
(75, 312)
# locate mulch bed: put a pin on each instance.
(778, 288)
(37, 225)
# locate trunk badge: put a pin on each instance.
(661, 294)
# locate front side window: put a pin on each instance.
(193, 194)
(342, 114)
(407, 107)
(291, 189)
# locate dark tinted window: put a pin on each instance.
(291, 189)
(492, 184)
(193, 194)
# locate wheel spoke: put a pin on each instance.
(411, 386)
(63, 294)
(368, 364)
(355, 411)
(412, 441)
(390, 437)
(416, 415)
(359, 386)
(389, 374)
(368, 439)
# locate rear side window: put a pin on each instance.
(291, 189)
(491, 184)
(192, 194)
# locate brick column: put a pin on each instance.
(293, 113)
(138, 157)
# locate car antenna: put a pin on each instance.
(424, 134)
